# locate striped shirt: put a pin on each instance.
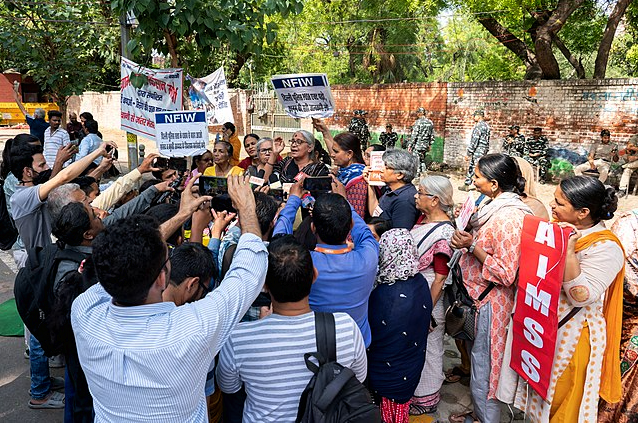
(267, 356)
(52, 143)
(149, 363)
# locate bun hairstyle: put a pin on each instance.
(587, 192)
(504, 170)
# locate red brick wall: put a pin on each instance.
(390, 103)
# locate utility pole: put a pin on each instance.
(131, 139)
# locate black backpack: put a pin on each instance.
(8, 231)
(33, 291)
(333, 395)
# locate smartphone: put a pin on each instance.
(161, 163)
(77, 142)
(212, 185)
(318, 184)
(178, 163)
(277, 194)
(222, 202)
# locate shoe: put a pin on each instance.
(622, 192)
(54, 400)
(57, 383)
(56, 361)
(464, 188)
(26, 353)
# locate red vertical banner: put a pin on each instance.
(535, 322)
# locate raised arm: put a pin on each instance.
(321, 126)
(287, 215)
(16, 97)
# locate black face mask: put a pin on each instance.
(41, 177)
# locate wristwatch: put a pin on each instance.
(470, 249)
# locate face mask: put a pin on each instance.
(41, 177)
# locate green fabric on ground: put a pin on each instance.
(10, 321)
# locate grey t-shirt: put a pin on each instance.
(31, 217)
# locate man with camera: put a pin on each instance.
(630, 153)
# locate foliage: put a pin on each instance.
(62, 48)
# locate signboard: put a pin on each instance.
(180, 134)
(465, 213)
(162, 91)
(535, 322)
(304, 95)
(210, 94)
(377, 166)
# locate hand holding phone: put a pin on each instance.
(318, 184)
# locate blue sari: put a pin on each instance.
(346, 174)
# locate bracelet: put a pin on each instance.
(270, 164)
(470, 249)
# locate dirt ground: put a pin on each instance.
(545, 192)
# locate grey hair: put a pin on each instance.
(60, 197)
(441, 187)
(310, 139)
(402, 162)
(260, 143)
(39, 113)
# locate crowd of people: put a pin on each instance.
(187, 308)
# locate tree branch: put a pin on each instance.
(602, 57)
(514, 44)
(576, 64)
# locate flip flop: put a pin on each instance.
(455, 374)
(417, 410)
(54, 400)
(460, 417)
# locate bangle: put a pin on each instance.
(470, 249)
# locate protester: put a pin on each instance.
(399, 314)
(529, 194)
(490, 266)
(201, 162)
(261, 168)
(332, 220)
(300, 159)
(345, 150)
(55, 137)
(625, 411)
(122, 323)
(37, 124)
(366, 153)
(90, 142)
(397, 204)
(222, 167)
(586, 366)
(229, 133)
(273, 369)
(74, 128)
(378, 227)
(250, 144)
(434, 200)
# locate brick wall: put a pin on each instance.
(571, 112)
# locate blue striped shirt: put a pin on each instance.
(148, 363)
(268, 357)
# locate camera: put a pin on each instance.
(217, 188)
(172, 196)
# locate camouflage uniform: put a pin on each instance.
(479, 145)
(421, 139)
(359, 127)
(539, 146)
(514, 145)
(389, 139)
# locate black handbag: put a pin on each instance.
(460, 316)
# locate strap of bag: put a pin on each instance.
(326, 337)
(486, 291)
(447, 222)
(568, 317)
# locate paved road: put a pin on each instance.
(14, 369)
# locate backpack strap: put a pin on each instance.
(432, 230)
(326, 337)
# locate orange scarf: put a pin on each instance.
(610, 385)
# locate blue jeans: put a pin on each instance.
(40, 377)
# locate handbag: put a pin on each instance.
(460, 316)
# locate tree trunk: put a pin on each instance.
(515, 45)
(351, 63)
(608, 37)
(235, 67)
(171, 42)
(576, 64)
(545, 34)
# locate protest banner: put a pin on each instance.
(304, 95)
(210, 94)
(181, 134)
(161, 91)
(465, 213)
(377, 166)
(535, 321)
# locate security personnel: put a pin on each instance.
(479, 145)
(359, 127)
(536, 153)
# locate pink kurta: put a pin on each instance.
(500, 238)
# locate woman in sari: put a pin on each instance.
(222, 155)
(586, 362)
(489, 269)
(250, 145)
(626, 410)
(300, 159)
(399, 314)
(434, 200)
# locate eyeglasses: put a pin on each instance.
(266, 150)
(419, 193)
(296, 142)
(205, 289)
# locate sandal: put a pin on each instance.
(53, 401)
(460, 417)
(455, 374)
(417, 410)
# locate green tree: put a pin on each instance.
(198, 33)
(67, 49)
